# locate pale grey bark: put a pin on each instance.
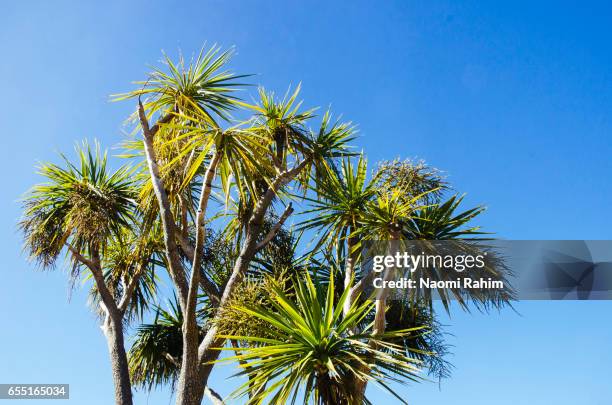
(380, 308)
(190, 387)
(175, 268)
(383, 293)
(112, 326)
(213, 396)
(272, 233)
(349, 270)
(113, 330)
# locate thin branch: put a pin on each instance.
(250, 248)
(210, 289)
(184, 231)
(357, 288)
(163, 120)
(349, 269)
(236, 347)
(281, 180)
(244, 364)
(272, 233)
(79, 257)
(96, 270)
(185, 245)
(131, 287)
(194, 281)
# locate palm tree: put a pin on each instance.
(200, 168)
(311, 346)
(189, 100)
(89, 212)
(256, 160)
(402, 200)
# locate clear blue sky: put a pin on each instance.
(512, 100)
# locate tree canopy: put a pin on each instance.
(258, 213)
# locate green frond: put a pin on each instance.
(313, 347)
(84, 204)
(277, 114)
(389, 214)
(441, 221)
(155, 355)
(415, 177)
(332, 139)
(205, 82)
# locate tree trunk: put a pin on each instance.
(113, 330)
(194, 372)
(190, 386)
(211, 356)
(190, 390)
(380, 307)
(206, 349)
(381, 296)
(194, 368)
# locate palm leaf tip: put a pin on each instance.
(204, 83)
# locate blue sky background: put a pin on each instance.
(512, 100)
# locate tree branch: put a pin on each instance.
(79, 257)
(252, 392)
(96, 270)
(184, 231)
(194, 281)
(349, 269)
(213, 396)
(272, 233)
(130, 288)
(185, 245)
(357, 288)
(281, 180)
(175, 267)
(163, 120)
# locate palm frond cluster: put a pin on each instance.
(84, 204)
(155, 355)
(313, 349)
